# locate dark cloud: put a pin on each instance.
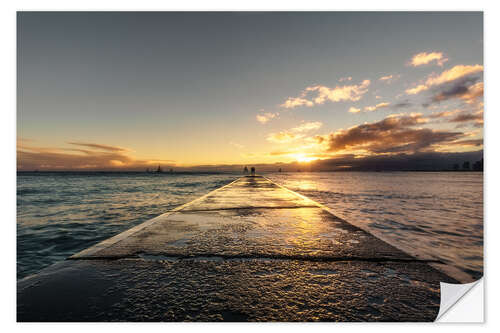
(401, 105)
(99, 146)
(390, 135)
(466, 117)
(466, 89)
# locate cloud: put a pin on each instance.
(293, 102)
(265, 117)
(97, 157)
(393, 134)
(417, 89)
(283, 137)
(473, 93)
(443, 114)
(389, 78)
(378, 106)
(348, 78)
(307, 126)
(460, 116)
(467, 117)
(466, 89)
(320, 94)
(294, 133)
(455, 73)
(402, 105)
(456, 90)
(99, 146)
(386, 78)
(425, 58)
(382, 105)
(473, 142)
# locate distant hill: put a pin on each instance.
(431, 161)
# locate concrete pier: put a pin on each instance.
(249, 251)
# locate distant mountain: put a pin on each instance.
(431, 161)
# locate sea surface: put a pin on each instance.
(435, 215)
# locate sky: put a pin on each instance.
(131, 90)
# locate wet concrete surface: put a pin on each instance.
(249, 251)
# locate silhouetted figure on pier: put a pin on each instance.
(252, 171)
(245, 170)
(159, 170)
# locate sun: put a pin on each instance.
(303, 158)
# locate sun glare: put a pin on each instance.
(303, 158)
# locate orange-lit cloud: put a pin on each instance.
(97, 157)
(386, 78)
(425, 58)
(320, 94)
(283, 137)
(307, 126)
(417, 89)
(370, 108)
(378, 106)
(294, 133)
(473, 93)
(265, 117)
(473, 142)
(465, 89)
(340, 93)
(293, 102)
(455, 73)
(389, 78)
(393, 134)
(443, 114)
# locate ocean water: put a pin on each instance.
(59, 214)
(436, 215)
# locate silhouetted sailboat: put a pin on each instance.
(159, 170)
